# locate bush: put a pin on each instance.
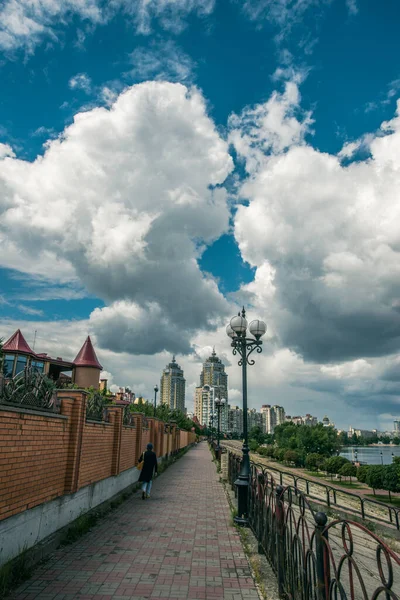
(263, 451)
(314, 461)
(253, 445)
(291, 456)
(279, 454)
(334, 464)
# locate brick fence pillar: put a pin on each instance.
(73, 406)
(116, 415)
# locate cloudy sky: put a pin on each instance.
(163, 162)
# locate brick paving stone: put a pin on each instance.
(177, 545)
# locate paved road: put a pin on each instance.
(179, 544)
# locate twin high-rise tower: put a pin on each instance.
(172, 386)
(213, 385)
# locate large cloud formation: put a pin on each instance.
(324, 237)
(124, 201)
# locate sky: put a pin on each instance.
(164, 162)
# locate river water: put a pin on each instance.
(371, 455)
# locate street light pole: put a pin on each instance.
(219, 404)
(155, 398)
(211, 426)
(381, 457)
(244, 346)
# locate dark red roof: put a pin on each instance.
(87, 356)
(17, 343)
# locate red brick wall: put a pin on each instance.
(97, 453)
(44, 456)
(33, 459)
(128, 457)
(146, 438)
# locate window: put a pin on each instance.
(38, 365)
(8, 365)
(21, 364)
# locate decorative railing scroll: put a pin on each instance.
(312, 558)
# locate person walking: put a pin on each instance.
(149, 470)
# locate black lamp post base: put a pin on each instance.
(241, 521)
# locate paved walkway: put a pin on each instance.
(178, 544)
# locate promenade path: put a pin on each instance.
(179, 544)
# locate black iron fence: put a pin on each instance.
(314, 559)
(366, 508)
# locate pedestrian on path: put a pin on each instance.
(149, 470)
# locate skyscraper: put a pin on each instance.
(213, 384)
(213, 374)
(172, 388)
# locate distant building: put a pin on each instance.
(271, 416)
(205, 407)
(84, 371)
(308, 420)
(213, 374)
(397, 427)
(326, 422)
(266, 417)
(172, 386)
(235, 420)
(365, 433)
(254, 419)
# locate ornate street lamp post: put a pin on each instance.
(155, 398)
(381, 457)
(219, 404)
(211, 426)
(244, 346)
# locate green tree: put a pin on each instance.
(314, 461)
(375, 477)
(292, 456)
(391, 479)
(334, 464)
(362, 473)
(348, 470)
(253, 445)
(396, 460)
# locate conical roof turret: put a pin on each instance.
(86, 356)
(17, 343)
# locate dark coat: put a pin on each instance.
(149, 467)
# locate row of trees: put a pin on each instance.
(166, 414)
(293, 443)
(359, 440)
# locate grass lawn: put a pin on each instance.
(348, 484)
(314, 474)
(385, 498)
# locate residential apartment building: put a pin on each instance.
(172, 386)
(308, 420)
(235, 420)
(254, 419)
(205, 407)
(271, 416)
(213, 374)
(397, 427)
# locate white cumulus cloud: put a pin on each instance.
(124, 201)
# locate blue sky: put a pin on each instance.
(277, 135)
